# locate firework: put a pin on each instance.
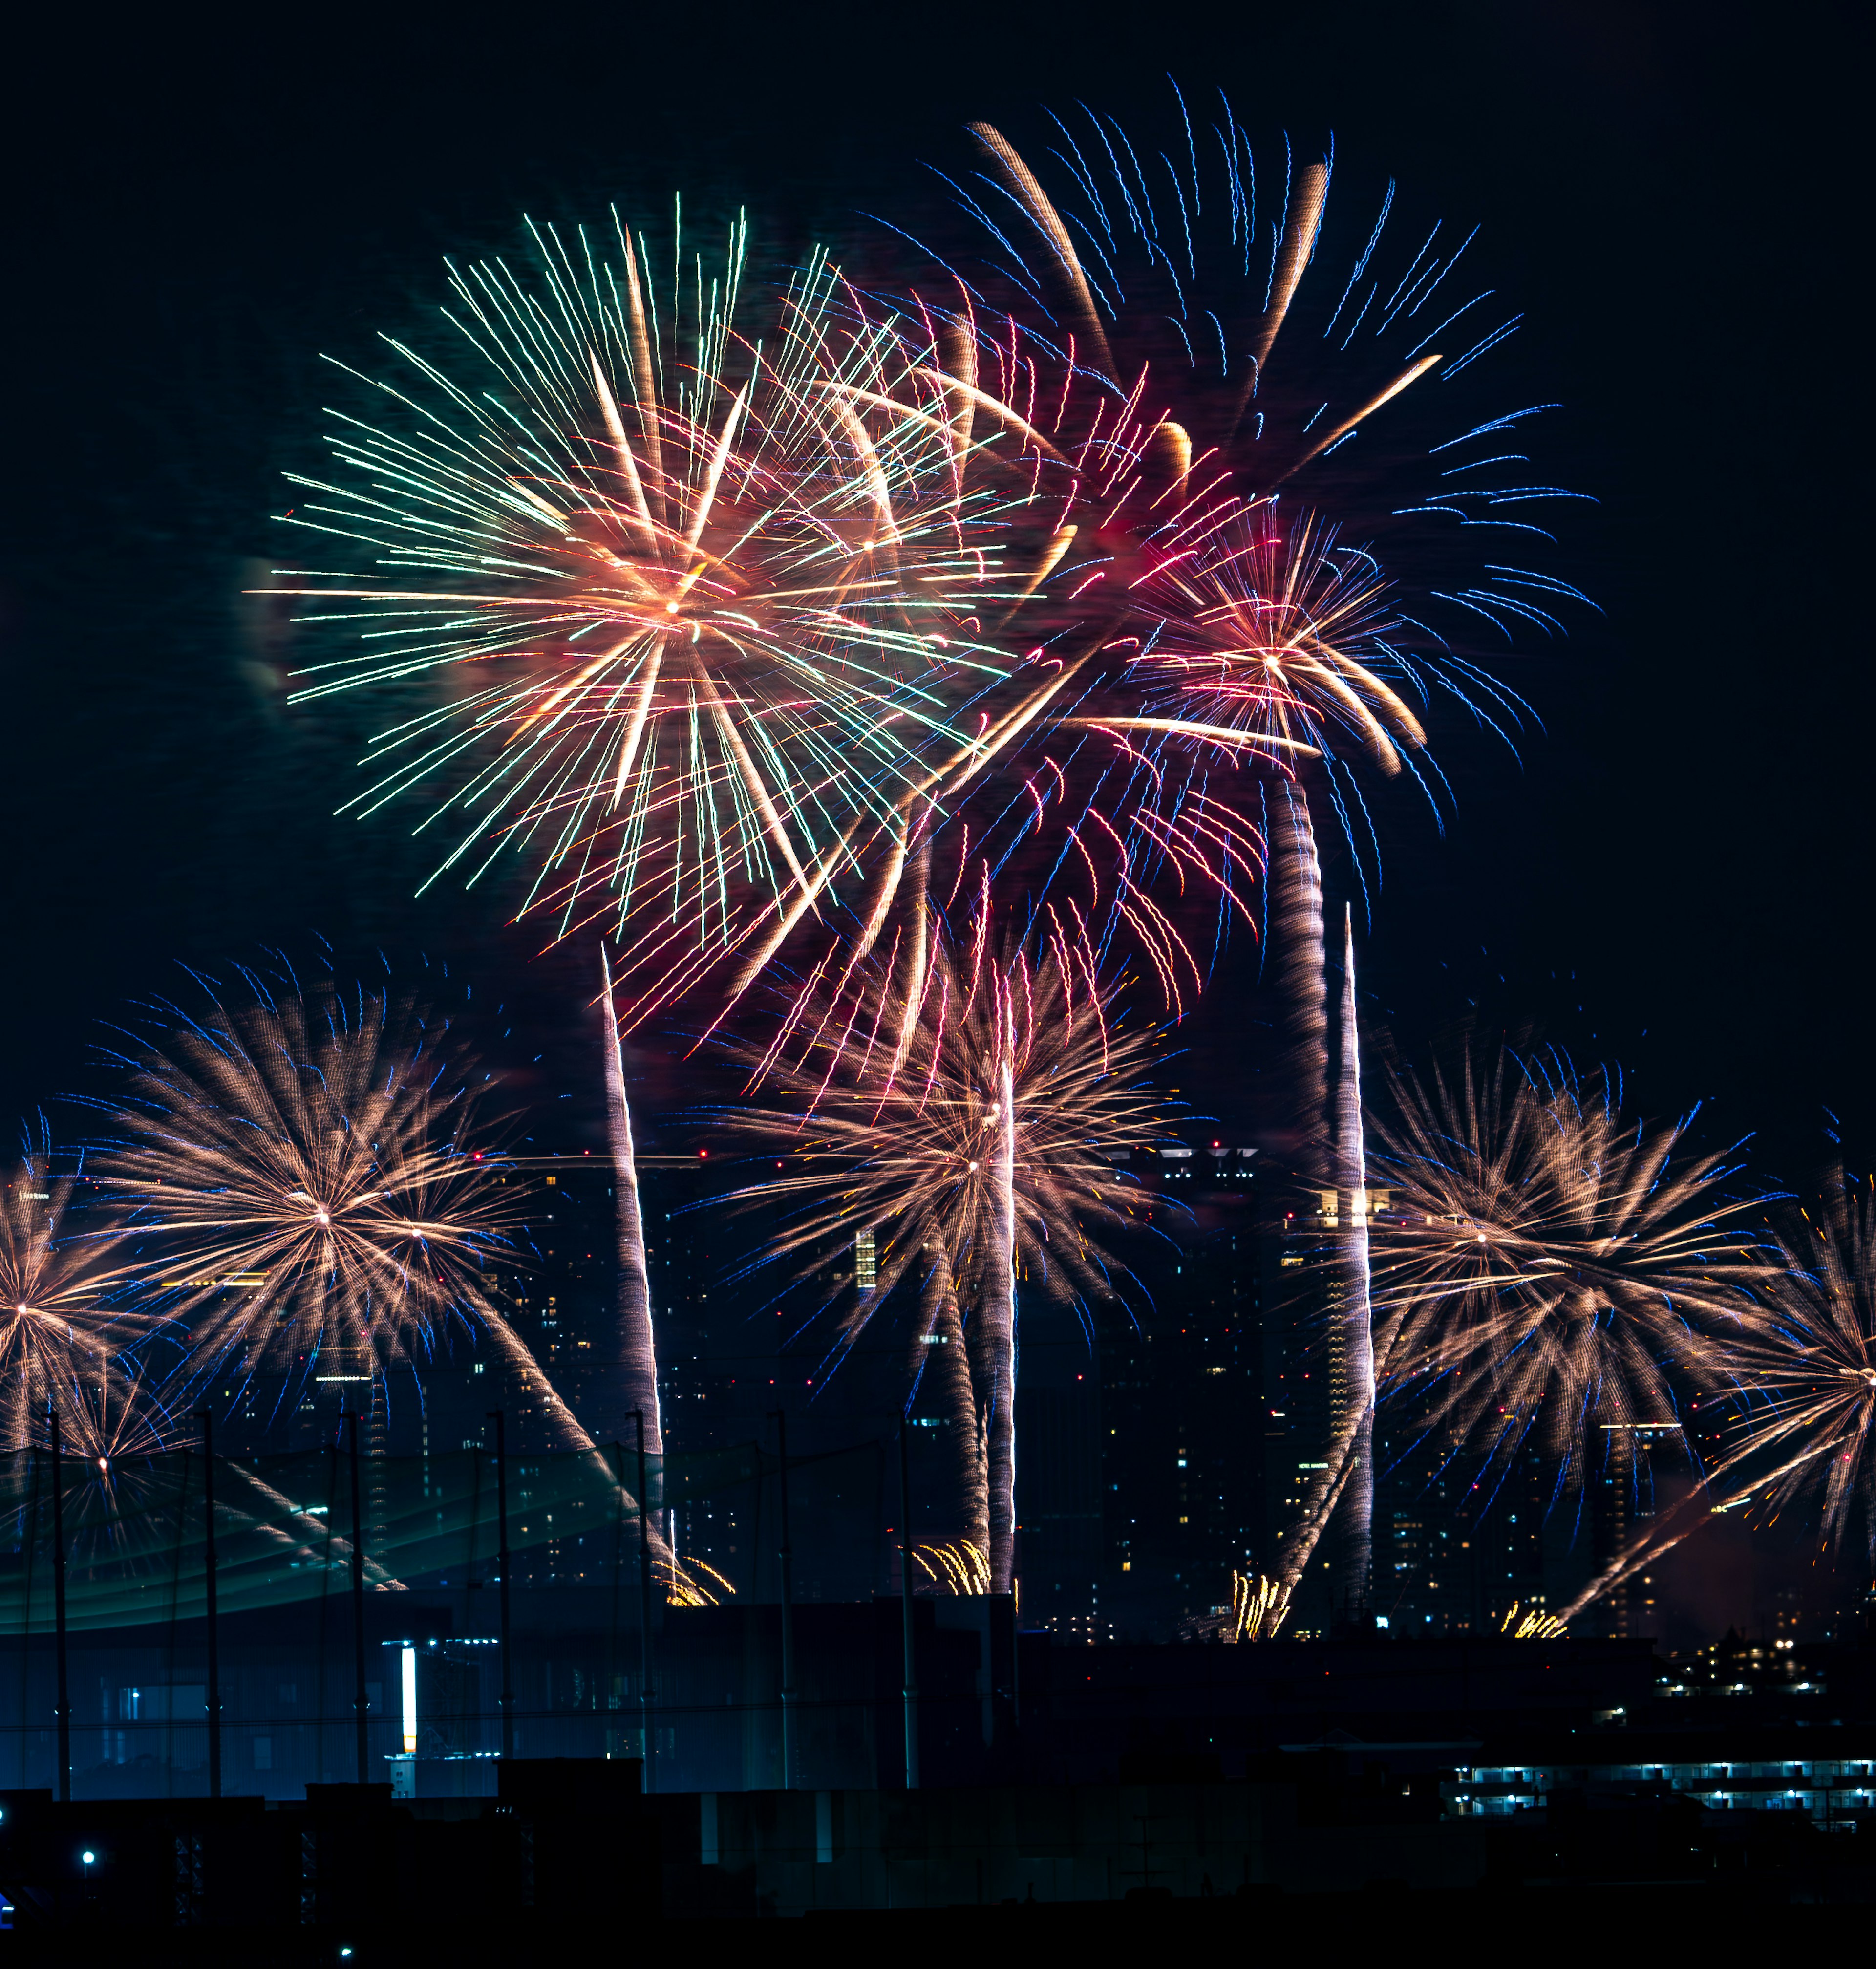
(1544, 1272)
(1160, 400)
(1262, 639)
(64, 1322)
(1259, 1607)
(964, 1137)
(1328, 1152)
(111, 1423)
(671, 595)
(1532, 1624)
(1809, 1367)
(956, 1566)
(305, 1173)
(1798, 1409)
(1296, 969)
(944, 1366)
(1218, 345)
(1546, 1269)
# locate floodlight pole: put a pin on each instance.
(499, 1418)
(644, 1609)
(64, 1710)
(360, 1702)
(787, 1557)
(911, 1691)
(207, 1420)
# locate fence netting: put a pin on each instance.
(135, 1531)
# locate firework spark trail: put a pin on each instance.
(1259, 1608)
(1298, 957)
(1320, 1503)
(1355, 1561)
(634, 1343)
(997, 1326)
(64, 1320)
(957, 1567)
(673, 608)
(1798, 1398)
(976, 1156)
(1532, 1624)
(1295, 952)
(940, 1352)
(306, 1177)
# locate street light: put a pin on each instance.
(90, 1860)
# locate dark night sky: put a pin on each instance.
(1675, 876)
(195, 213)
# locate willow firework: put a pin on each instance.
(963, 1134)
(673, 602)
(303, 1175)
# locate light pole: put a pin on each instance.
(644, 1608)
(58, 1610)
(208, 1581)
(911, 1691)
(788, 1610)
(499, 1418)
(361, 1702)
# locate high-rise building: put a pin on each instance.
(1181, 1456)
(1311, 1396)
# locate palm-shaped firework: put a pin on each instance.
(1159, 396)
(698, 589)
(1274, 639)
(303, 1172)
(964, 1130)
